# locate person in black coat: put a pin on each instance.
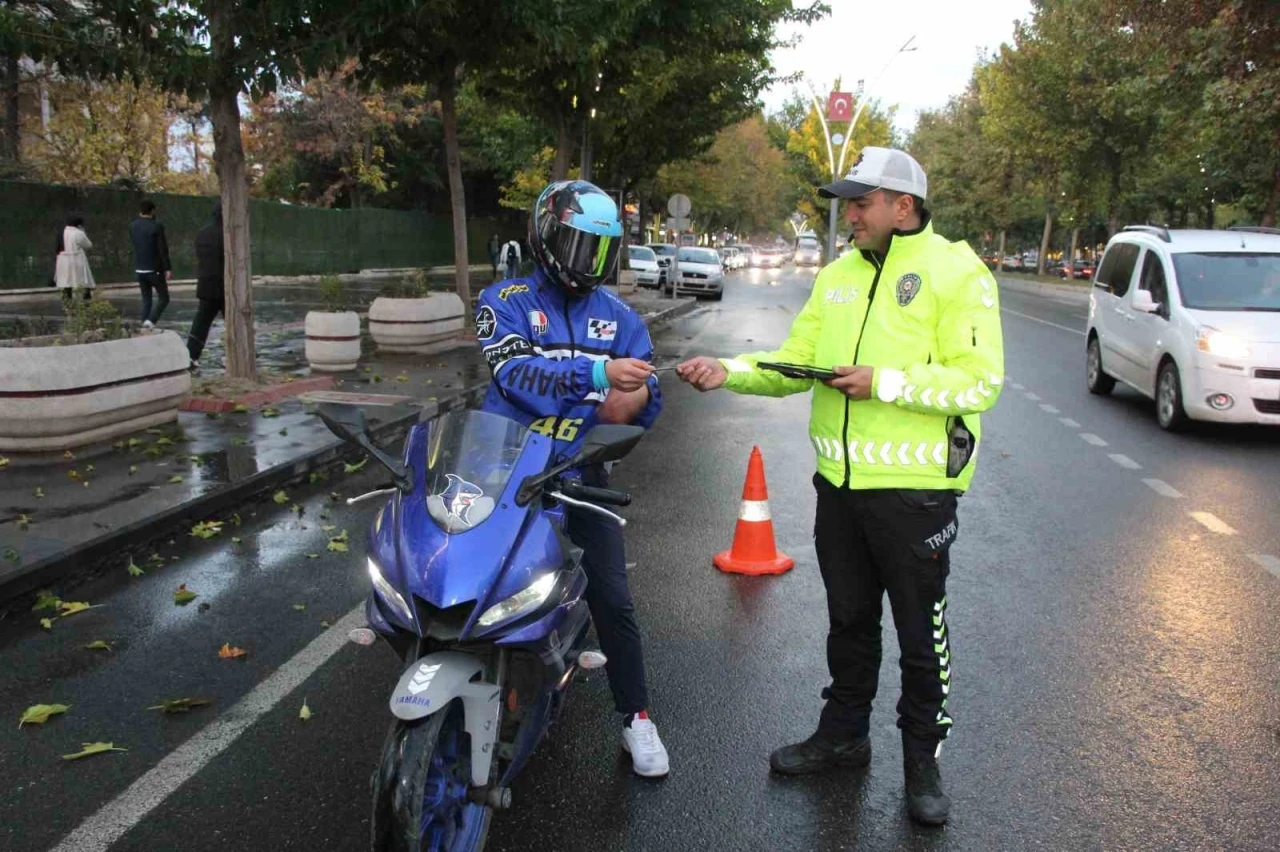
(151, 261)
(210, 273)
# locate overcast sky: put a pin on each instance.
(860, 36)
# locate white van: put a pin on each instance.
(1192, 320)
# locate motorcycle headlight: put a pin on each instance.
(522, 602)
(1221, 344)
(388, 592)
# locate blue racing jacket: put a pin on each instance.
(542, 346)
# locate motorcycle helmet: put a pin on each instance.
(574, 234)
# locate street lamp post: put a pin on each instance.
(837, 166)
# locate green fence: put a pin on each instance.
(287, 240)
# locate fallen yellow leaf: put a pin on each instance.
(98, 645)
(89, 749)
(226, 652)
(184, 596)
(66, 608)
(180, 705)
(305, 713)
(38, 714)
(280, 498)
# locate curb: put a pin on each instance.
(1068, 292)
(666, 315)
(266, 396)
(88, 554)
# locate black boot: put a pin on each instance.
(820, 753)
(926, 802)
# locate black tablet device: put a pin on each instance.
(798, 371)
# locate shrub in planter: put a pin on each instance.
(333, 333)
(408, 317)
(92, 383)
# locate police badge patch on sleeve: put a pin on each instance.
(908, 287)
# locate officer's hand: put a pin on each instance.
(703, 373)
(854, 382)
(627, 374)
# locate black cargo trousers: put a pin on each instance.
(869, 543)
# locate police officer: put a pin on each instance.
(566, 354)
(910, 325)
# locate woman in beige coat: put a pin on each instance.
(72, 271)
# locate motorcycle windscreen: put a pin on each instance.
(470, 457)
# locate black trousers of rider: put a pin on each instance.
(148, 281)
(869, 543)
(604, 558)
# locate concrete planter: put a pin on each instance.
(58, 397)
(627, 281)
(423, 325)
(333, 340)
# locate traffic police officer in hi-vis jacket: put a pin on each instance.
(910, 326)
(565, 354)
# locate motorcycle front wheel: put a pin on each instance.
(420, 788)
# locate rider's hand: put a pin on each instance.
(627, 374)
(703, 373)
(853, 382)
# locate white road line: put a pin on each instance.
(1124, 461)
(129, 808)
(1016, 386)
(1163, 488)
(1033, 397)
(1213, 523)
(1090, 438)
(1049, 409)
(1068, 422)
(1044, 322)
(1267, 562)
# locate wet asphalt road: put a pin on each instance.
(1114, 658)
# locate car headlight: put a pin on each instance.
(522, 602)
(1221, 343)
(388, 592)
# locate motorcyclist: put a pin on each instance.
(565, 354)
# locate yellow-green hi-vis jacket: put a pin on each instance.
(928, 320)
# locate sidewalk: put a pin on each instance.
(60, 515)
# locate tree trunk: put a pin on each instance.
(1269, 214)
(644, 229)
(1044, 242)
(10, 149)
(228, 158)
(453, 160)
(1000, 253)
(564, 150)
(1071, 259)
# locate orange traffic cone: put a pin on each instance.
(754, 551)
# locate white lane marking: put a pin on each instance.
(1163, 488)
(1267, 562)
(1213, 523)
(1045, 322)
(1068, 422)
(1049, 409)
(1090, 438)
(1016, 386)
(1033, 397)
(1124, 461)
(126, 810)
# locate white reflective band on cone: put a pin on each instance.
(754, 510)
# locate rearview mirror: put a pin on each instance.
(606, 443)
(345, 421)
(1143, 302)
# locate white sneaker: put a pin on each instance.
(147, 325)
(648, 754)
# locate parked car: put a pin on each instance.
(1192, 320)
(731, 257)
(666, 253)
(1012, 261)
(644, 263)
(807, 252)
(701, 273)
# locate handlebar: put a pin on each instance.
(606, 496)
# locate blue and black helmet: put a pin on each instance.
(575, 233)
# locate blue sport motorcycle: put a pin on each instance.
(480, 592)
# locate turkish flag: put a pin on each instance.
(840, 106)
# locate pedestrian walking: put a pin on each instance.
(71, 271)
(210, 278)
(151, 262)
(511, 257)
(495, 246)
(910, 326)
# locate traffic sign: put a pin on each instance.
(678, 223)
(679, 205)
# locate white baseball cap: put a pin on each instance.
(879, 168)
